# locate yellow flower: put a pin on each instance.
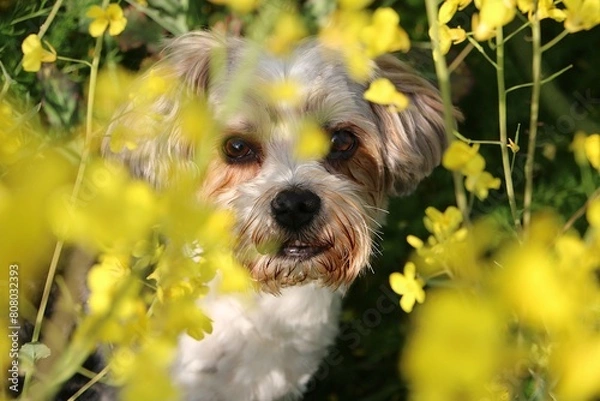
(353, 5)
(111, 18)
(545, 9)
(442, 225)
(285, 92)
(289, 29)
(480, 184)
(456, 350)
(383, 91)
(383, 34)
(593, 213)
(578, 148)
(461, 157)
(448, 9)
(240, 6)
(34, 54)
(407, 285)
(449, 36)
(592, 150)
(312, 143)
(581, 14)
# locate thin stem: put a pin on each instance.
(536, 72)
(510, 191)
(473, 141)
(516, 31)
(90, 383)
(459, 59)
(50, 18)
(444, 83)
(482, 51)
(580, 212)
(544, 81)
(74, 60)
(554, 41)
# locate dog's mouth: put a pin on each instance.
(300, 250)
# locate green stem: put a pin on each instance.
(542, 82)
(74, 60)
(90, 383)
(510, 191)
(473, 141)
(444, 83)
(482, 51)
(76, 188)
(50, 18)
(554, 41)
(536, 71)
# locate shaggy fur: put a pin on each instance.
(266, 346)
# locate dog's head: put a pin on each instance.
(297, 220)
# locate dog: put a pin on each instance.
(323, 215)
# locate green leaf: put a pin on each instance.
(30, 353)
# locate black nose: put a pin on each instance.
(295, 208)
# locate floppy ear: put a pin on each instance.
(413, 139)
(145, 134)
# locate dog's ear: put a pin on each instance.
(146, 133)
(413, 139)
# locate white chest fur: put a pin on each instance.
(263, 347)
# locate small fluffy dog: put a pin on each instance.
(323, 214)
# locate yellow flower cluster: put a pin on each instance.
(362, 35)
(514, 311)
(466, 159)
(577, 15)
(112, 18)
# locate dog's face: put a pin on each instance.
(297, 220)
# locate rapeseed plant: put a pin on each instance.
(520, 307)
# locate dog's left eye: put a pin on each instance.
(343, 144)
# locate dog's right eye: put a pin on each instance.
(238, 150)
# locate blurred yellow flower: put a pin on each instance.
(34, 54)
(481, 183)
(577, 146)
(442, 225)
(456, 350)
(289, 29)
(353, 5)
(463, 158)
(111, 18)
(576, 364)
(581, 14)
(382, 91)
(409, 286)
(593, 213)
(240, 6)
(286, 92)
(384, 34)
(313, 142)
(592, 150)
